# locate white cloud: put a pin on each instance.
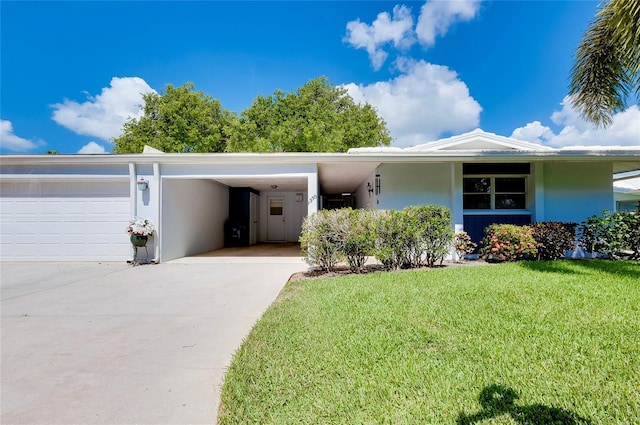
(436, 16)
(10, 141)
(385, 29)
(624, 131)
(422, 103)
(532, 132)
(102, 116)
(92, 148)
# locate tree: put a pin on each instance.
(318, 117)
(181, 120)
(607, 62)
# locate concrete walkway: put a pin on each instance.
(108, 343)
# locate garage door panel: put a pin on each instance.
(64, 221)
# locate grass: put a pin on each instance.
(524, 343)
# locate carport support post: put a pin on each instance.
(312, 192)
(156, 210)
(133, 191)
(457, 211)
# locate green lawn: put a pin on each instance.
(524, 343)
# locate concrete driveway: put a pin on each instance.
(108, 343)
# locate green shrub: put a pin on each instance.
(357, 236)
(611, 234)
(319, 240)
(463, 244)
(391, 238)
(413, 237)
(430, 226)
(554, 239)
(508, 242)
(331, 236)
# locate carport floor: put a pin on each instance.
(263, 252)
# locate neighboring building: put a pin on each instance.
(76, 207)
(626, 191)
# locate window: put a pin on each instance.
(494, 192)
(627, 206)
(276, 206)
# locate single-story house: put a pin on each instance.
(626, 191)
(76, 207)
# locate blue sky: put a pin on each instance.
(71, 72)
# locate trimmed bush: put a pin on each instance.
(612, 234)
(432, 233)
(508, 242)
(357, 235)
(391, 238)
(463, 244)
(331, 236)
(554, 239)
(413, 237)
(320, 241)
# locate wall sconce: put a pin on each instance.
(298, 197)
(377, 184)
(142, 184)
(369, 189)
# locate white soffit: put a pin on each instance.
(344, 177)
(627, 186)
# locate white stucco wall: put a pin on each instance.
(193, 216)
(294, 210)
(574, 191)
(364, 198)
(402, 185)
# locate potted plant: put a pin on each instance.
(140, 228)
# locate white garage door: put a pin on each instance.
(69, 221)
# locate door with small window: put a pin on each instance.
(276, 219)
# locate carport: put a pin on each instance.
(196, 210)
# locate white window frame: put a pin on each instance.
(493, 192)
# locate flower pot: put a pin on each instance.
(139, 240)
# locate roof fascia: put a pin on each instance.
(307, 158)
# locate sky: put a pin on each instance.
(71, 73)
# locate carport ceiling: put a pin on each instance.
(265, 183)
(334, 178)
(344, 177)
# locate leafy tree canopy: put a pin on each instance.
(318, 117)
(181, 120)
(607, 62)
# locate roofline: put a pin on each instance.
(479, 134)
(307, 157)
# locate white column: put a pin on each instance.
(156, 209)
(133, 197)
(133, 192)
(538, 175)
(457, 212)
(312, 192)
